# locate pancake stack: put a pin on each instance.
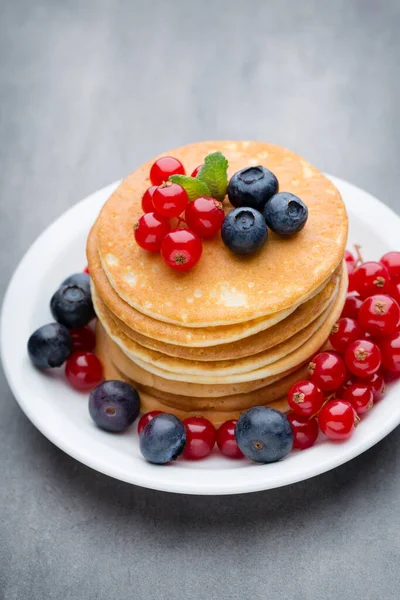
(233, 332)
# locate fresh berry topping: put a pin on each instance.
(49, 346)
(379, 315)
(226, 440)
(146, 418)
(328, 371)
(244, 231)
(79, 279)
(337, 420)
(351, 306)
(391, 261)
(360, 396)
(165, 167)
(305, 398)
(147, 200)
(196, 171)
(82, 339)
(396, 292)
(114, 405)
(371, 278)
(150, 231)
(72, 305)
(181, 249)
(163, 439)
(253, 187)
(390, 348)
(349, 258)
(285, 214)
(86, 270)
(200, 437)
(84, 371)
(204, 216)
(305, 430)
(264, 434)
(344, 332)
(363, 358)
(377, 384)
(170, 199)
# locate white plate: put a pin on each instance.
(61, 414)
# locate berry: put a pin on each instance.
(391, 261)
(396, 292)
(371, 278)
(114, 405)
(170, 199)
(163, 439)
(49, 346)
(377, 384)
(285, 214)
(264, 434)
(79, 279)
(82, 339)
(147, 199)
(204, 216)
(305, 430)
(146, 418)
(72, 305)
(181, 249)
(253, 187)
(337, 420)
(379, 315)
(150, 231)
(390, 348)
(363, 358)
(344, 332)
(226, 440)
(328, 371)
(86, 270)
(84, 371)
(351, 306)
(244, 231)
(165, 167)
(200, 437)
(196, 171)
(360, 396)
(349, 258)
(305, 398)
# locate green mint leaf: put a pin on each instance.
(194, 187)
(214, 174)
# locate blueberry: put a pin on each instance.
(285, 214)
(81, 279)
(253, 187)
(50, 346)
(114, 405)
(72, 305)
(163, 439)
(264, 434)
(244, 230)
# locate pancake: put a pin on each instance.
(284, 274)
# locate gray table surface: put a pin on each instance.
(88, 90)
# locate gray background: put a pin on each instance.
(88, 91)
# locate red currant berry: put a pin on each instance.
(396, 292)
(146, 418)
(379, 315)
(390, 348)
(351, 306)
(204, 216)
(391, 261)
(86, 270)
(226, 440)
(305, 431)
(181, 249)
(305, 398)
(82, 339)
(170, 199)
(328, 371)
(344, 332)
(200, 437)
(377, 384)
(195, 172)
(337, 420)
(165, 167)
(147, 200)
(349, 258)
(150, 231)
(84, 371)
(371, 278)
(363, 358)
(360, 396)
(351, 267)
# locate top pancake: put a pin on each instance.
(224, 288)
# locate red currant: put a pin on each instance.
(147, 200)
(328, 371)
(165, 167)
(360, 396)
(170, 199)
(351, 306)
(86, 270)
(391, 261)
(196, 171)
(377, 384)
(344, 332)
(305, 398)
(204, 216)
(363, 358)
(337, 420)
(200, 437)
(226, 440)
(305, 430)
(390, 348)
(396, 292)
(181, 249)
(379, 315)
(349, 258)
(150, 231)
(84, 370)
(371, 278)
(82, 339)
(146, 418)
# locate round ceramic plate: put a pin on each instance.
(61, 414)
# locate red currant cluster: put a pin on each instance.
(345, 384)
(162, 229)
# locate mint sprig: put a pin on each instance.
(194, 187)
(214, 173)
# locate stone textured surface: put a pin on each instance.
(90, 89)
